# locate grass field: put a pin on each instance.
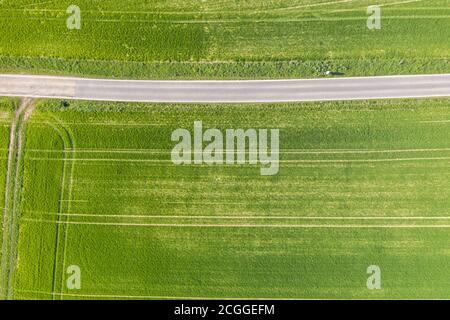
(224, 39)
(6, 108)
(360, 184)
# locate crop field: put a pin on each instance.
(359, 184)
(5, 117)
(6, 110)
(6, 107)
(5, 114)
(224, 39)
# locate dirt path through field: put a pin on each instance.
(12, 196)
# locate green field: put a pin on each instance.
(224, 39)
(6, 107)
(6, 110)
(5, 118)
(360, 184)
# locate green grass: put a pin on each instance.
(6, 108)
(225, 39)
(382, 159)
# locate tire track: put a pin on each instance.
(12, 197)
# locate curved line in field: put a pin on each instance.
(68, 141)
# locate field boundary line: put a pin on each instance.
(13, 190)
(40, 76)
(293, 226)
(5, 219)
(206, 165)
(282, 151)
(242, 217)
(158, 297)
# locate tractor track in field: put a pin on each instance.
(13, 186)
(63, 206)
